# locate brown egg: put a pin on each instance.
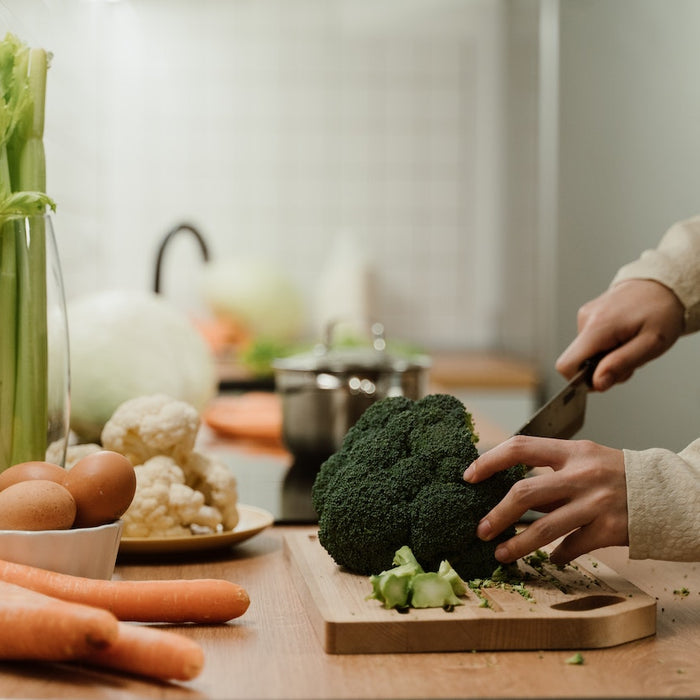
(103, 485)
(37, 504)
(32, 470)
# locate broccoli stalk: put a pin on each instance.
(392, 588)
(447, 572)
(431, 590)
(405, 557)
(408, 585)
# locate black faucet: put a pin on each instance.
(161, 250)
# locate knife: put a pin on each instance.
(563, 415)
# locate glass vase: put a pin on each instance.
(34, 351)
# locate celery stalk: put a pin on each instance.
(23, 322)
(31, 405)
(8, 340)
(8, 265)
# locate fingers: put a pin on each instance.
(579, 542)
(520, 449)
(583, 495)
(585, 345)
(598, 331)
(529, 494)
(583, 529)
(536, 536)
(639, 319)
(548, 529)
(619, 364)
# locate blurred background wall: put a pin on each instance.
(629, 166)
(495, 161)
(280, 128)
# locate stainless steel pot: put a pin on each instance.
(325, 391)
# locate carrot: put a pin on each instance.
(152, 652)
(36, 626)
(207, 601)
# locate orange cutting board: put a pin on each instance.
(585, 605)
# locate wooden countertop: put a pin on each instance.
(473, 369)
(272, 652)
(483, 370)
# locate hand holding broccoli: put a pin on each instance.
(585, 495)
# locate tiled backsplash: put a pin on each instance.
(275, 127)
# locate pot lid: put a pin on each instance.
(326, 358)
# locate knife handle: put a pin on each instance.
(588, 366)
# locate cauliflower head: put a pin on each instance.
(179, 492)
(151, 426)
(55, 452)
(164, 505)
(218, 484)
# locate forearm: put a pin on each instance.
(663, 503)
(675, 263)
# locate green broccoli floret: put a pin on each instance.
(397, 481)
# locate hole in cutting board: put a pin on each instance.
(590, 602)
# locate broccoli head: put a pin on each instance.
(397, 481)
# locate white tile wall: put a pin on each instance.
(68, 30)
(274, 126)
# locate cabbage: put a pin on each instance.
(256, 295)
(125, 344)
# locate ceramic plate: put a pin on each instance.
(252, 521)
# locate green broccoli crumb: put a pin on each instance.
(575, 660)
(683, 592)
(507, 578)
(537, 559)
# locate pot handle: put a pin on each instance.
(376, 331)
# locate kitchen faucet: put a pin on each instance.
(161, 250)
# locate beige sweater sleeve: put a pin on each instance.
(663, 501)
(663, 488)
(676, 264)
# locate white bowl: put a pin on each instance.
(88, 551)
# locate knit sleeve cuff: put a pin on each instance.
(675, 263)
(663, 503)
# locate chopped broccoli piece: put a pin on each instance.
(392, 588)
(576, 659)
(397, 480)
(405, 557)
(407, 585)
(430, 590)
(447, 571)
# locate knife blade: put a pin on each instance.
(564, 414)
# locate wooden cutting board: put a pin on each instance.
(585, 605)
